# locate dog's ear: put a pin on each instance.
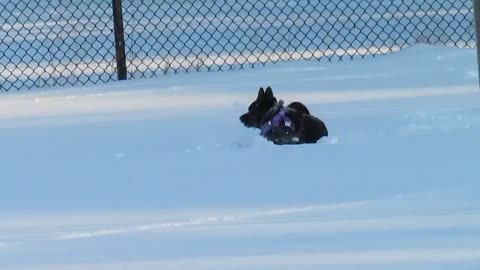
(260, 93)
(269, 92)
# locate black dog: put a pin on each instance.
(283, 125)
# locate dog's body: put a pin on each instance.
(283, 125)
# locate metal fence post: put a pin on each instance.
(119, 40)
(476, 11)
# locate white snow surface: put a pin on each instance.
(161, 174)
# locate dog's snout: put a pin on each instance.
(246, 120)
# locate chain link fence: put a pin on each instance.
(72, 42)
(47, 43)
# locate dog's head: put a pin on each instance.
(259, 108)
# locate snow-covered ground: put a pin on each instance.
(160, 174)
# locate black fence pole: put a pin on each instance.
(476, 11)
(119, 40)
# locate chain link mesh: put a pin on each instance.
(55, 43)
(212, 35)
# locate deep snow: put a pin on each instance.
(160, 174)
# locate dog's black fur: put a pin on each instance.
(308, 128)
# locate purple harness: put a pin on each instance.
(276, 120)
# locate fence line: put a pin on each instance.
(55, 43)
